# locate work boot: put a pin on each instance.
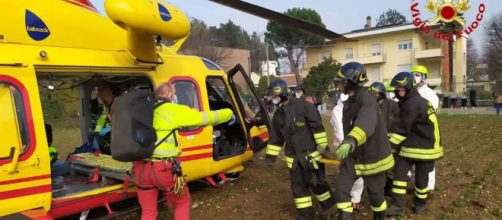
(345, 216)
(379, 215)
(393, 210)
(419, 208)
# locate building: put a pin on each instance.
(272, 68)
(234, 57)
(385, 51)
(290, 79)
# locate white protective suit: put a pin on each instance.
(336, 122)
(432, 97)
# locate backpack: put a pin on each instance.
(133, 136)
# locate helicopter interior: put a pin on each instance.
(228, 140)
(71, 109)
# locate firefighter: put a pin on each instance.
(388, 108)
(420, 72)
(390, 114)
(162, 172)
(300, 92)
(298, 125)
(417, 135)
(365, 151)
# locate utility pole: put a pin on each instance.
(268, 68)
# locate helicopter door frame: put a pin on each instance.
(258, 141)
(25, 171)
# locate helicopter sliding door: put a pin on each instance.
(251, 107)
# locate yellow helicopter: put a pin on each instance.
(62, 45)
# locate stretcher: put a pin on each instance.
(328, 161)
(105, 165)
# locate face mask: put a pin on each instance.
(391, 95)
(175, 99)
(418, 79)
(276, 101)
(344, 97)
(298, 95)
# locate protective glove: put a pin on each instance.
(343, 151)
(232, 120)
(270, 161)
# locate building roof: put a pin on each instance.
(290, 79)
(379, 30)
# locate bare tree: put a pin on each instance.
(294, 41)
(204, 43)
(494, 51)
(472, 59)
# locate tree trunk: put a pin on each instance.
(293, 65)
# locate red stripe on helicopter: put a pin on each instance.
(25, 191)
(263, 135)
(196, 157)
(83, 3)
(31, 178)
(198, 148)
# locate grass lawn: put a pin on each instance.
(469, 178)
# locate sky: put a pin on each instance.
(340, 16)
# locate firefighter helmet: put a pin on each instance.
(354, 72)
(377, 87)
(279, 88)
(405, 79)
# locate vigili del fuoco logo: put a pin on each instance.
(449, 15)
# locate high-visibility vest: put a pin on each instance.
(102, 121)
(53, 153)
(170, 116)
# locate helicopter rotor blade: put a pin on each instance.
(279, 17)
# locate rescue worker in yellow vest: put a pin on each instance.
(365, 151)
(107, 95)
(298, 125)
(417, 135)
(162, 172)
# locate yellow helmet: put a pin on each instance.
(420, 69)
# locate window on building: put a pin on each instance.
(324, 55)
(404, 68)
(376, 50)
(349, 53)
(404, 45)
(375, 74)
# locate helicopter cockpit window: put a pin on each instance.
(14, 108)
(250, 104)
(187, 94)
